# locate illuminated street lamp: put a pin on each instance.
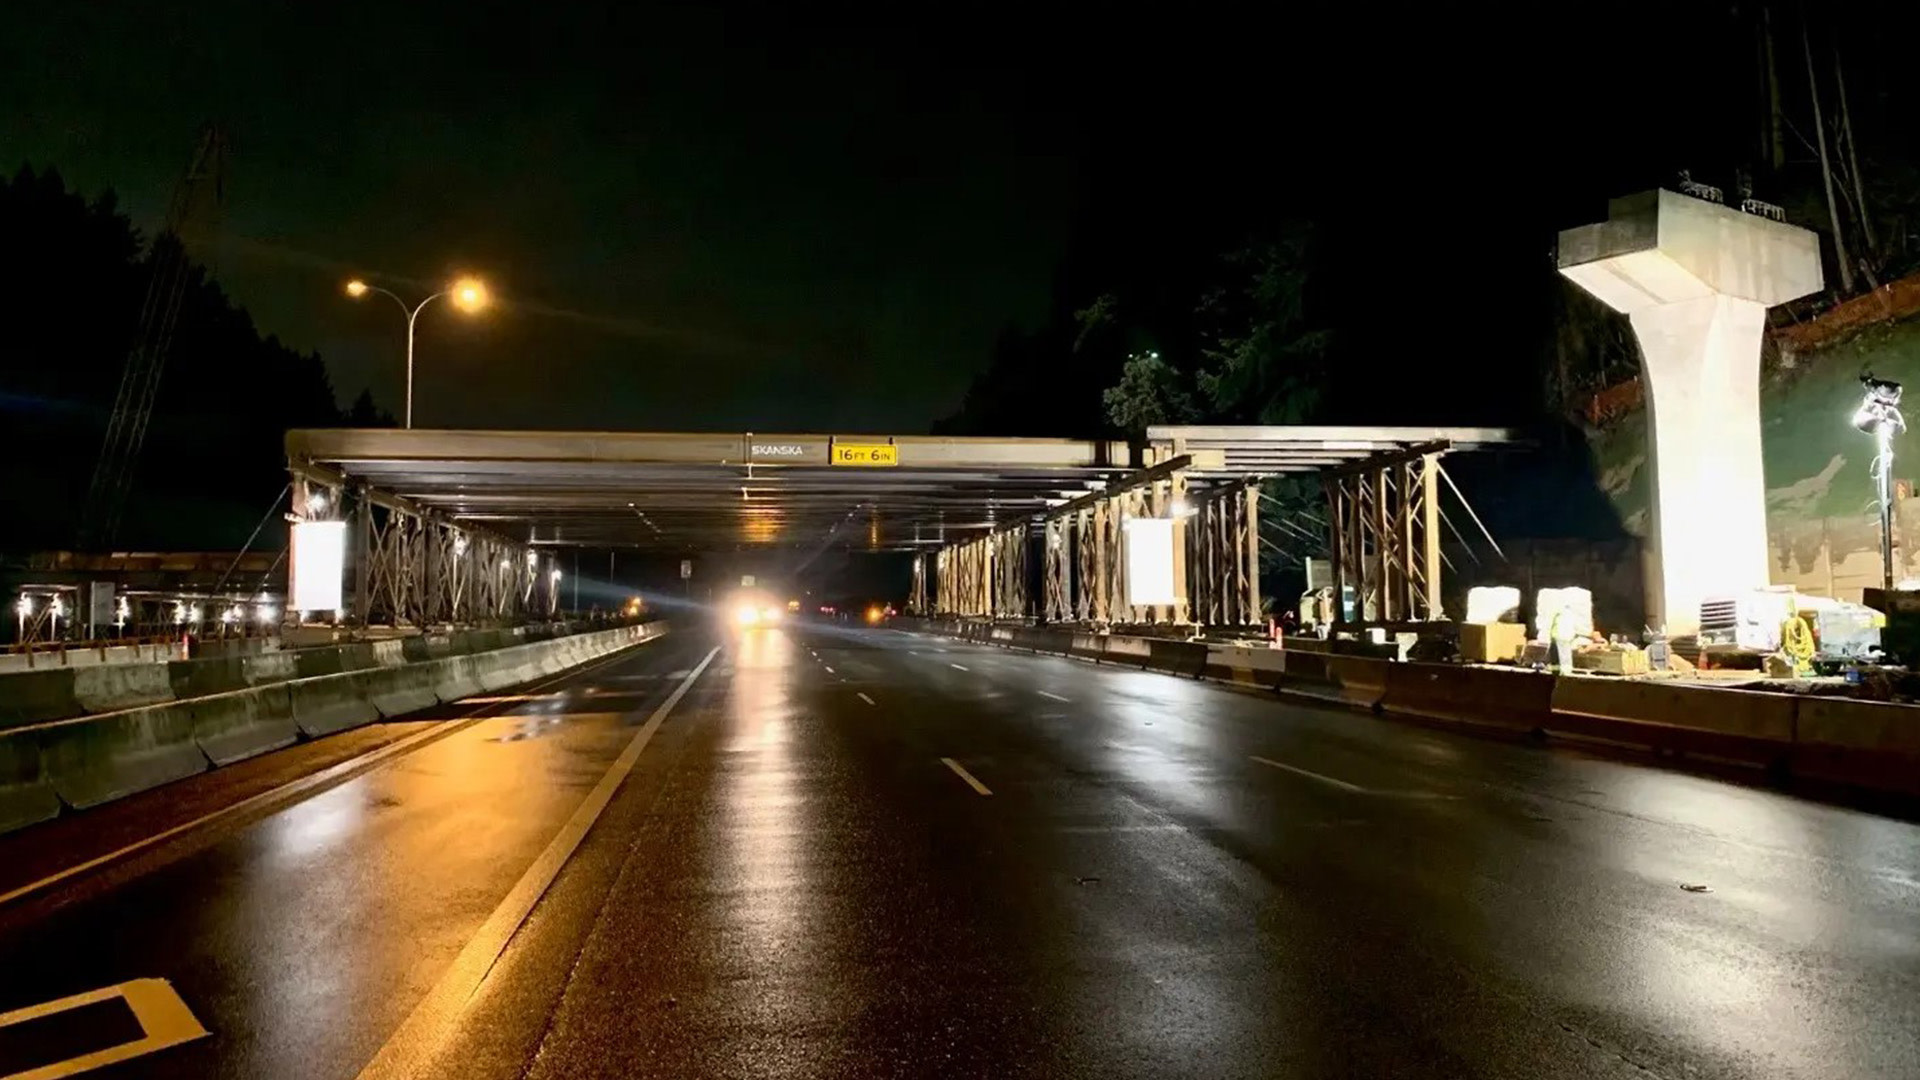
(469, 294)
(1879, 416)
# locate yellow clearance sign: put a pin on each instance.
(866, 454)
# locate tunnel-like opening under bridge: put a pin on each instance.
(463, 527)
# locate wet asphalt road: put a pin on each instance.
(864, 853)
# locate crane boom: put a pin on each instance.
(201, 187)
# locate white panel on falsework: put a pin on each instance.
(318, 565)
(1150, 561)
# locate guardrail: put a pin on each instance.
(1870, 745)
(74, 763)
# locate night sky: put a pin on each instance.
(803, 218)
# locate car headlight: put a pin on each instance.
(746, 614)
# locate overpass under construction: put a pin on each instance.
(464, 526)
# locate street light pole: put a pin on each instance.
(1879, 416)
(468, 294)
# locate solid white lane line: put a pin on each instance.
(420, 1036)
(1341, 784)
(864, 698)
(959, 667)
(1055, 697)
(960, 771)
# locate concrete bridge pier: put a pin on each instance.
(1695, 279)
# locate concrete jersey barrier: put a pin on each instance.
(236, 726)
(397, 691)
(107, 687)
(1348, 680)
(1481, 697)
(330, 703)
(96, 759)
(32, 697)
(1857, 742)
(1244, 666)
(26, 796)
(1739, 725)
(82, 761)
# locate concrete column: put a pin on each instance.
(1695, 279)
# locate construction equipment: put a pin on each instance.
(196, 201)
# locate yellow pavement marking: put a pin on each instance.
(1295, 769)
(505, 700)
(864, 698)
(421, 1035)
(960, 771)
(164, 1021)
(350, 767)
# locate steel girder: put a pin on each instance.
(412, 567)
(1009, 554)
(1386, 537)
(1223, 541)
(1083, 572)
(1057, 570)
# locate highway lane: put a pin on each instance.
(866, 853)
(301, 938)
(1149, 876)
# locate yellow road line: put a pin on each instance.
(960, 771)
(427, 1028)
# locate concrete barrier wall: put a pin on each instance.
(397, 691)
(31, 697)
(1187, 658)
(1514, 700)
(1736, 725)
(324, 705)
(83, 761)
(1857, 742)
(1246, 666)
(232, 727)
(107, 687)
(96, 759)
(194, 678)
(26, 795)
(269, 668)
(454, 678)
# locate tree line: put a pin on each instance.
(72, 281)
